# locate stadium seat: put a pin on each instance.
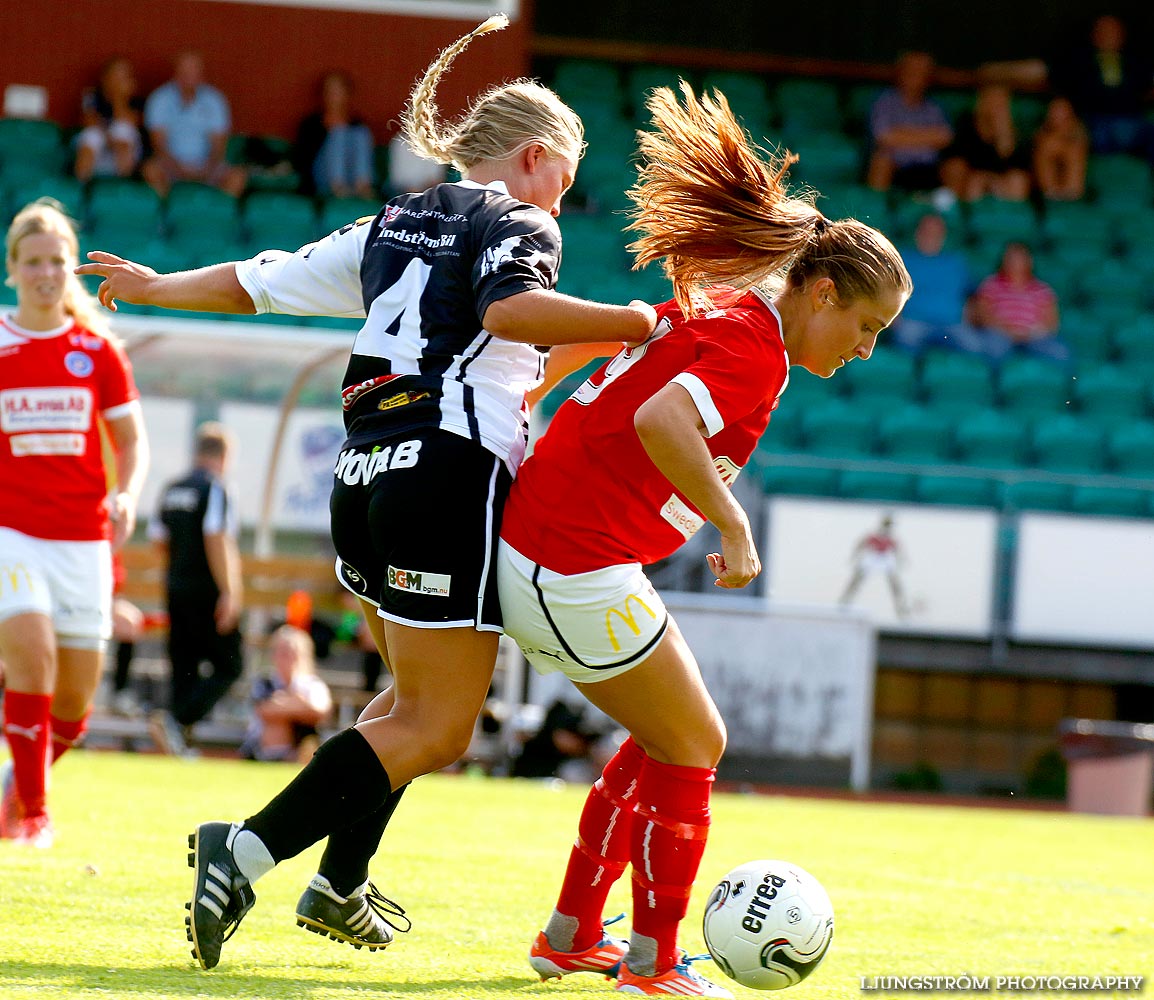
(1131, 449)
(871, 484)
(835, 428)
(198, 213)
(339, 212)
(855, 201)
(1134, 343)
(1064, 443)
(66, 190)
(747, 96)
(1114, 281)
(914, 434)
(1087, 335)
(1110, 500)
(1107, 393)
(123, 206)
(808, 104)
(279, 220)
(859, 102)
(587, 78)
(889, 375)
(825, 158)
(1133, 224)
(956, 381)
(954, 103)
(1029, 494)
(1033, 386)
(995, 220)
(799, 480)
(1119, 179)
(641, 80)
(1077, 222)
(784, 432)
(32, 141)
(963, 491)
(990, 439)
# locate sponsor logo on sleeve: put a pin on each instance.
(433, 584)
(677, 513)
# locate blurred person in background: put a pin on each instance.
(188, 122)
(111, 143)
(1016, 312)
(334, 147)
(1061, 149)
(458, 286)
(196, 526)
(908, 130)
(290, 704)
(63, 379)
(988, 156)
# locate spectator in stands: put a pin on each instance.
(934, 314)
(908, 130)
(410, 172)
(1061, 148)
(1107, 81)
(196, 525)
(111, 143)
(188, 124)
(289, 705)
(1015, 311)
(334, 149)
(564, 736)
(988, 155)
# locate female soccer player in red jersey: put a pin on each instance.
(61, 378)
(632, 465)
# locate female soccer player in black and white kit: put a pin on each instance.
(456, 285)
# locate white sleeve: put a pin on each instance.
(703, 400)
(321, 279)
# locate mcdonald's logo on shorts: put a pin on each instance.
(627, 617)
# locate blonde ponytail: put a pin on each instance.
(501, 122)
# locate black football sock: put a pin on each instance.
(345, 862)
(344, 782)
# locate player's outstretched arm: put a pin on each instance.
(539, 316)
(207, 289)
(670, 428)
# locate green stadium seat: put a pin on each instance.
(123, 205)
(855, 201)
(747, 96)
(66, 190)
(914, 434)
(990, 439)
(860, 98)
(1113, 280)
(336, 213)
(1107, 393)
(955, 381)
(32, 141)
(1134, 343)
(836, 429)
(1078, 222)
(1064, 443)
(1087, 335)
(870, 484)
(807, 104)
(826, 158)
(198, 213)
(1032, 386)
(280, 220)
(889, 375)
(1110, 500)
(784, 433)
(641, 80)
(994, 220)
(1133, 225)
(1029, 494)
(1119, 180)
(798, 480)
(964, 491)
(806, 390)
(954, 103)
(1131, 448)
(586, 78)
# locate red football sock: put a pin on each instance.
(66, 734)
(26, 728)
(669, 833)
(602, 849)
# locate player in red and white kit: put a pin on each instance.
(632, 465)
(61, 379)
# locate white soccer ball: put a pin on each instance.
(768, 924)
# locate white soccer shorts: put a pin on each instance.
(590, 626)
(70, 582)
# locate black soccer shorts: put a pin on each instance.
(415, 522)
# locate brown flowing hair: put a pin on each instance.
(714, 211)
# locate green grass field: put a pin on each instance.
(477, 862)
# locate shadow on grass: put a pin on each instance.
(273, 984)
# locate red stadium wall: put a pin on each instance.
(267, 59)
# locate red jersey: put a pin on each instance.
(589, 496)
(54, 385)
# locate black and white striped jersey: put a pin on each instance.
(422, 274)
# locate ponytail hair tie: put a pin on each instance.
(821, 224)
